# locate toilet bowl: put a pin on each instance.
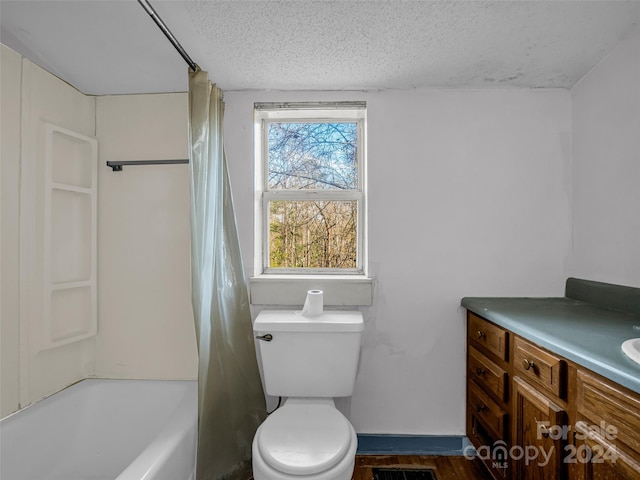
(310, 361)
(305, 439)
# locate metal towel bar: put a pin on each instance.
(117, 166)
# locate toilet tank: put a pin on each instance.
(309, 357)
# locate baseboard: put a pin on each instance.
(380, 444)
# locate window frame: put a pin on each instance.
(311, 112)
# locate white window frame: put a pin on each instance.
(324, 112)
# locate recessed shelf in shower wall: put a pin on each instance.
(70, 249)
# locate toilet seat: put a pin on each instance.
(304, 438)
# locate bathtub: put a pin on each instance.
(104, 430)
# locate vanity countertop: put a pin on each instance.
(581, 331)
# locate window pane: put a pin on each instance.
(313, 155)
(313, 234)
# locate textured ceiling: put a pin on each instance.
(109, 47)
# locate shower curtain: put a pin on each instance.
(231, 402)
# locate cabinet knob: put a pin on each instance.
(480, 371)
(527, 364)
(542, 428)
(481, 407)
(481, 334)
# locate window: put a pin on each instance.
(310, 188)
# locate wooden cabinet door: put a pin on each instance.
(599, 459)
(538, 437)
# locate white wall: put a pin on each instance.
(606, 168)
(469, 196)
(146, 324)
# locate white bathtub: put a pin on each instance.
(104, 430)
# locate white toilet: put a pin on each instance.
(310, 361)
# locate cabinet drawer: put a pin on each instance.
(497, 458)
(602, 402)
(489, 336)
(540, 367)
(489, 376)
(487, 411)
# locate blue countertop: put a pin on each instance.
(583, 332)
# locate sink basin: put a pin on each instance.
(631, 348)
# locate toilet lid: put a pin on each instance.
(304, 439)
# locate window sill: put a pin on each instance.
(339, 290)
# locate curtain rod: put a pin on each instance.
(152, 13)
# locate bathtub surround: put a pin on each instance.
(231, 402)
(145, 324)
(145, 320)
(31, 366)
(11, 72)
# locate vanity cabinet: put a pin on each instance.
(488, 393)
(539, 391)
(534, 415)
(597, 458)
(607, 430)
(548, 372)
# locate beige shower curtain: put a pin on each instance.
(231, 402)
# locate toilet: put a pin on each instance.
(310, 361)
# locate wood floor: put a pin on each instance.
(446, 468)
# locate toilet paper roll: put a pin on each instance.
(313, 305)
